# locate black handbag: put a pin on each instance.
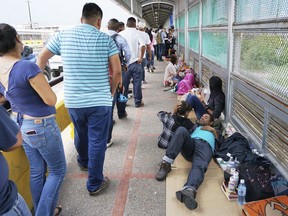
(257, 180)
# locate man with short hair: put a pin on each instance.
(86, 53)
(147, 41)
(197, 147)
(125, 55)
(121, 27)
(137, 47)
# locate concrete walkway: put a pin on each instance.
(131, 164)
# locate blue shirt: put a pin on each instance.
(22, 97)
(204, 135)
(123, 45)
(85, 53)
(8, 190)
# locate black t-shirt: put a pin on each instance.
(8, 190)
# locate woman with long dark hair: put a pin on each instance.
(33, 108)
(215, 104)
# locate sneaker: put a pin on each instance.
(165, 168)
(103, 185)
(110, 143)
(187, 196)
(152, 70)
(83, 167)
(148, 70)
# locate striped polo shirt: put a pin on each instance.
(85, 53)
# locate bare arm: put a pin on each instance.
(211, 129)
(18, 143)
(142, 51)
(43, 57)
(42, 87)
(116, 72)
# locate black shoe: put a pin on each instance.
(153, 68)
(124, 116)
(165, 168)
(139, 105)
(187, 196)
(83, 167)
(104, 185)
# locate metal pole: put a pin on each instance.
(30, 17)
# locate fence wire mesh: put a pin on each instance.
(262, 58)
(194, 41)
(215, 12)
(193, 17)
(215, 46)
(259, 10)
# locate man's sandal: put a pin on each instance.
(57, 210)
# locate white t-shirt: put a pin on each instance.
(135, 42)
(170, 72)
(146, 39)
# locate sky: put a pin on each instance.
(56, 12)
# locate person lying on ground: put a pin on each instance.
(171, 121)
(197, 147)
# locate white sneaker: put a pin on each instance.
(110, 143)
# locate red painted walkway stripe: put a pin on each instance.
(122, 191)
(78, 175)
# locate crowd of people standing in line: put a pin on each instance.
(90, 98)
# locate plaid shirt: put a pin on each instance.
(169, 127)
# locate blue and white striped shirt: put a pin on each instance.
(85, 53)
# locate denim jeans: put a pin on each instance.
(43, 145)
(196, 104)
(134, 71)
(151, 62)
(19, 208)
(160, 51)
(144, 63)
(91, 126)
(197, 151)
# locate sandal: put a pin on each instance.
(57, 210)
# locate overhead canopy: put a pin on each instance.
(155, 13)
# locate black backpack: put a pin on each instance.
(121, 55)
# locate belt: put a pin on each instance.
(33, 117)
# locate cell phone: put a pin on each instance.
(31, 132)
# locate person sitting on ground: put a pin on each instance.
(186, 84)
(197, 147)
(216, 102)
(172, 121)
(171, 72)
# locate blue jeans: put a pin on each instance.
(161, 48)
(19, 208)
(196, 104)
(91, 126)
(43, 145)
(151, 62)
(144, 63)
(134, 71)
(197, 151)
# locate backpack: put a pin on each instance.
(121, 56)
(159, 37)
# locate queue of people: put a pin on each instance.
(90, 97)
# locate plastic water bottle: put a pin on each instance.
(230, 165)
(241, 192)
(231, 184)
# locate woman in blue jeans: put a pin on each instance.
(216, 102)
(33, 107)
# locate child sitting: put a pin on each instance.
(171, 72)
(172, 121)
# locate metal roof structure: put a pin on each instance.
(155, 13)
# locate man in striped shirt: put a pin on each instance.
(86, 53)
